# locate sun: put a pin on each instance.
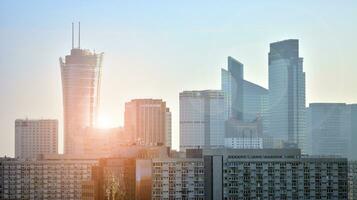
(103, 121)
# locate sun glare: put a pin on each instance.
(104, 121)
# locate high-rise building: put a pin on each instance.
(145, 120)
(168, 128)
(243, 135)
(328, 128)
(255, 103)
(232, 86)
(252, 101)
(201, 119)
(80, 71)
(353, 132)
(286, 93)
(35, 137)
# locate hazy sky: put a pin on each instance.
(155, 49)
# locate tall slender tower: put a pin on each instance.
(287, 93)
(80, 71)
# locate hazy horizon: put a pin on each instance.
(156, 50)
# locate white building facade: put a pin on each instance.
(35, 137)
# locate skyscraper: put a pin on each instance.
(232, 86)
(328, 128)
(353, 132)
(248, 99)
(286, 93)
(255, 102)
(145, 120)
(80, 71)
(201, 119)
(35, 137)
(168, 128)
(331, 129)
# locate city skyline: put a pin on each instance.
(36, 82)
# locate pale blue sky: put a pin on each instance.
(158, 48)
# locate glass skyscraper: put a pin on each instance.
(331, 129)
(80, 73)
(328, 128)
(232, 86)
(201, 119)
(251, 98)
(286, 93)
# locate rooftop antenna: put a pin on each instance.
(72, 35)
(79, 35)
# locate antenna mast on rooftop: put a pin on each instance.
(72, 35)
(79, 35)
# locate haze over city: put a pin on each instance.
(158, 49)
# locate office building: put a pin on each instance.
(81, 72)
(255, 106)
(168, 128)
(253, 99)
(232, 87)
(35, 137)
(50, 177)
(328, 128)
(145, 120)
(243, 135)
(286, 93)
(353, 132)
(201, 119)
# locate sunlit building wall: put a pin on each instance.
(145, 120)
(104, 142)
(35, 137)
(286, 93)
(201, 119)
(80, 71)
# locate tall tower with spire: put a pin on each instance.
(81, 74)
